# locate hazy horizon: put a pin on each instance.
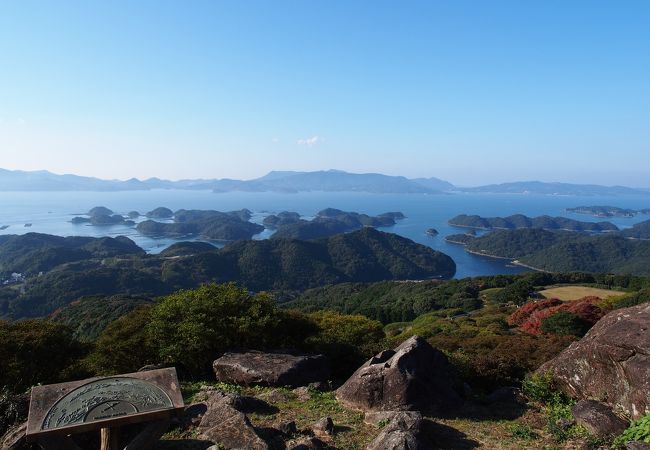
(469, 92)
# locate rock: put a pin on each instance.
(308, 444)
(302, 393)
(504, 395)
(151, 367)
(192, 414)
(414, 376)
(637, 445)
(611, 363)
(226, 426)
(598, 419)
(274, 396)
(288, 428)
(14, 438)
(401, 433)
(379, 418)
(271, 369)
(321, 386)
(323, 427)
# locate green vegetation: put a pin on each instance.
(32, 253)
(36, 351)
(566, 252)
(604, 211)
(519, 221)
(273, 265)
(565, 323)
(327, 222)
(193, 327)
(390, 301)
(89, 316)
(227, 226)
(639, 430)
(124, 346)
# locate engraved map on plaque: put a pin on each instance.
(108, 398)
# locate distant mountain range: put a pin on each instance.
(291, 182)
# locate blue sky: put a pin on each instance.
(470, 91)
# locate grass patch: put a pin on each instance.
(575, 292)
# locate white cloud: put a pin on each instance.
(310, 142)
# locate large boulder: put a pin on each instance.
(611, 363)
(413, 376)
(271, 369)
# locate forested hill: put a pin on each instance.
(566, 251)
(277, 264)
(32, 253)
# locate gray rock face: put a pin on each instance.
(414, 376)
(224, 425)
(598, 419)
(271, 369)
(14, 438)
(324, 427)
(401, 433)
(611, 363)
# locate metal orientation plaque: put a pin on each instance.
(103, 402)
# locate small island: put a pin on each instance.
(460, 239)
(431, 232)
(160, 213)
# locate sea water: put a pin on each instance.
(51, 212)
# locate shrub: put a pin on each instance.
(124, 345)
(522, 313)
(565, 323)
(637, 431)
(585, 309)
(193, 327)
(37, 351)
(346, 340)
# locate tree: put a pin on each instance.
(36, 351)
(124, 345)
(347, 340)
(565, 323)
(194, 327)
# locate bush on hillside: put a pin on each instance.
(522, 313)
(36, 351)
(346, 340)
(194, 327)
(565, 323)
(124, 346)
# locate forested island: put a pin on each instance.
(521, 221)
(327, 222)
(607, 211)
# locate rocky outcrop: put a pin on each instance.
(611, 363)
(223, 424)
(413, 376)
(271, 369)
(401, 433)
(14, 438)
(598, 419)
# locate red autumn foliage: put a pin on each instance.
(522, 313)
(583, 308)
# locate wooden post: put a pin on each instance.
(110, 439)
